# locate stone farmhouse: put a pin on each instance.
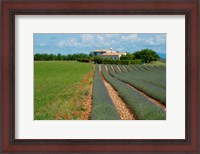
(109, 53)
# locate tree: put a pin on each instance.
(128, 56)
(98, 60)
(45, 57)
(147, 55)
(37, 56)
(52, 57)
(91, 54)
(59, 57)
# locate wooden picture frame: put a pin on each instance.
(129, 7)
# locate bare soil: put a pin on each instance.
(119, 69)
(125, 68)
(87, 105)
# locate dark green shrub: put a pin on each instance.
(136, 61)
(98, 60)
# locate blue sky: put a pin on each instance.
(85, 43)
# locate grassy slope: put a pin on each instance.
(58, 90)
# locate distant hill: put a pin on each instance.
(162, 55)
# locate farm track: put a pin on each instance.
(122, 108)
(158, 103)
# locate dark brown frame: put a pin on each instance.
(10, 8)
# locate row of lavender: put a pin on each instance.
(103, 107)
(149, 79)
(144, 109)
(140, 105)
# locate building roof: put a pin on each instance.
(110, 54)
(103, 50)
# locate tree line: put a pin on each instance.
(143, 56)
(40, 57)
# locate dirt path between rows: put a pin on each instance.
(145, 95)
(122, 108)
(126, 69)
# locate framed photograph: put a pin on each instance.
(116, 76)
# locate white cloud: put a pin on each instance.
(150, 41)
(102, 44)
(109, 35)
(88, 42)
(100, 38)
(113, 41)
(61, 44)
(119, 49)
(131, 37)
(157, 40)
(160, 39)
(87, 37)
(42, 44)
(100, 41)
(72, 43)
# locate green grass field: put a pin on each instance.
(59, 88)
